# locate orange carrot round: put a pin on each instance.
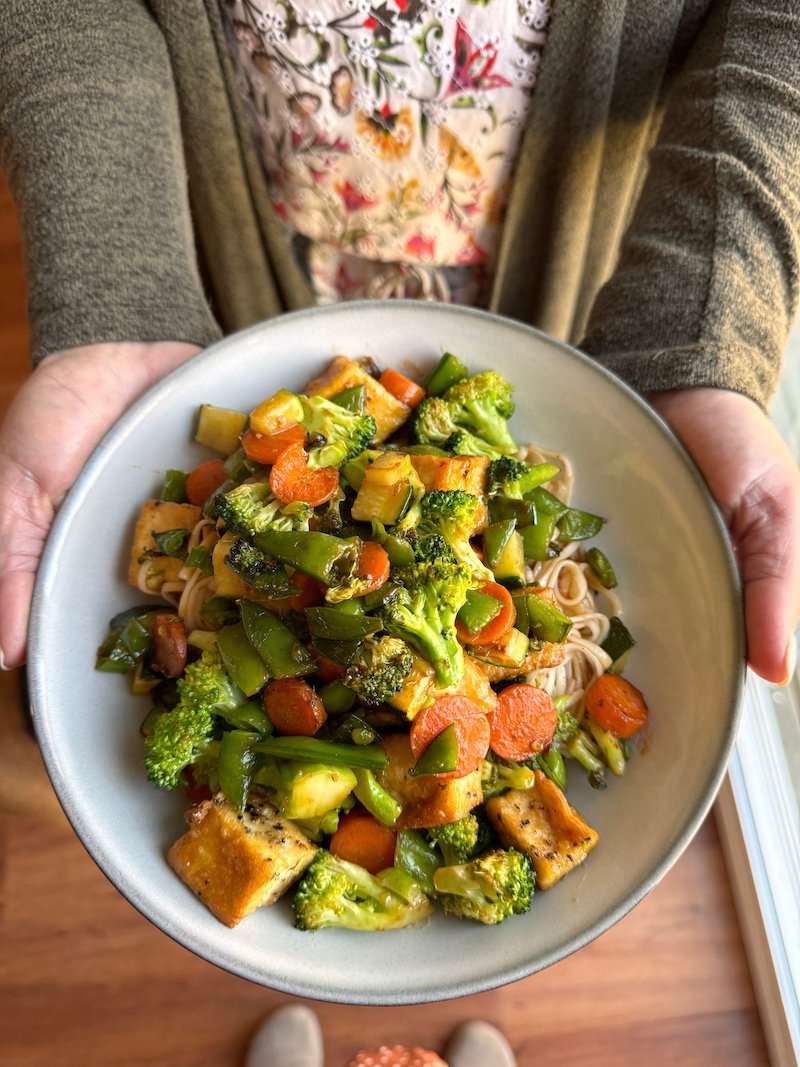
(265, 448)
(361, 839)
(292, 479)
(293, 707)
(523, 722)
(205, 480)
(498, 626)
(616, 705)
(373, 565)
(402, 388)
(472, 731)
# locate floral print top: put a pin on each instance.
(388, 130)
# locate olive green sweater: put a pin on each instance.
(654, 216)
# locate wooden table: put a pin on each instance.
(85, 980)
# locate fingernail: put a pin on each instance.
(3, 662)
(790, 660)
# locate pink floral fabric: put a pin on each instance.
(389, 131)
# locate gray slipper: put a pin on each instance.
(478, 1044)
(289, 1037)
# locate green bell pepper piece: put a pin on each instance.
(545, 622)
(353, 399)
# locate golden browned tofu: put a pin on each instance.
(158, 516)
(549, 655)
(427, 800)
(420, 688)
(237, 863)
(542, 823)
(343, 373)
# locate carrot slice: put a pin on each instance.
(523, 722)
(472, 731)
(204, 481)
(265, 448)
(616, 705)
(373, 565)
(327, 670)
(361, 839)
(292, 479)
(310, 593)
(402, 388)
(498, 626)
(293, 707)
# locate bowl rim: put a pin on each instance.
(68, 796)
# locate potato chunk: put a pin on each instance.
(427, 800)
(237, 863)
(343, 373)
(158, 516)
(542, 823)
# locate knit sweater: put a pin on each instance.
(654, 217)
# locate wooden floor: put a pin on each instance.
(85, 980)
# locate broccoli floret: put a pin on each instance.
(464, 443)
(424, 610)
(463, 840)
(453, 514)
(432, 546)
(379, 668)
(250, 508)
(345, 433)
(514, 479)
(259, 570)
(180, 736)
(482, 404)
(432, 422)
(497, 777)
(488, 889)
(334, 892)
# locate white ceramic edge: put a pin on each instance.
(482, 983)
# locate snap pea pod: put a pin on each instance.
(249, 716)
(377, 800)
(540, 619)
(440, 756)
(575, 525)
(477, 610)
(129, 638)
(242, 662)
(353, 399)
(283, 654)
(174, 488)
(447, 372)
(316, 750)
(327, 558)
(538, 537)
(601, 565)
(236, 764)
(495, 539)
(418, 857)
(334, 625)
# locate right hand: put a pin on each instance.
(54, 422)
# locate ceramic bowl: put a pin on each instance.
(677, 580)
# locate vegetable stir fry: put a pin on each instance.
(380, 641)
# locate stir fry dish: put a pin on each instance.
(379, 644)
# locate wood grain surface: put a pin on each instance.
(85, 981)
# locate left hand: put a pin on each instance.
(755, 481)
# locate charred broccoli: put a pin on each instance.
(488, 889)
(334, 892)
(379, 668)
(180, 736)
(260, 571)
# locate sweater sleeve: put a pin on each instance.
(706, 286)
(91, 146)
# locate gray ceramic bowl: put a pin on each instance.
(681, 600)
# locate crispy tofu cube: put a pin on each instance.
(542, 823)
(158, 516)
(235, 862)
(427, 800)
(343, 373)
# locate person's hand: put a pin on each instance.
(52, 426)
(755, 481)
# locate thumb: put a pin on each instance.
(24, 523)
